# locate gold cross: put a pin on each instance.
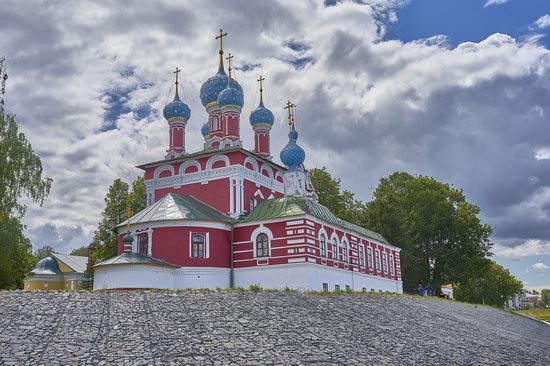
(290, 106)
(261, 79)
(228, 58)
(220, 37)
(177, 72)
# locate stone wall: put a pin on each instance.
(244, 328)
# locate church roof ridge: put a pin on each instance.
(177, 207)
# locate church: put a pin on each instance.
(227, 216)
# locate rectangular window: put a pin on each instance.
(337, 287)
(364, 289)
(198, 244)
(348, 288)
(323, 246)
(334, 250)
(369, 252)
(385, 262)
(377, 260)
(325, 287)
(371, 290)
(392, 264)
(362, 255)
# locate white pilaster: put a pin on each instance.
(150, 242)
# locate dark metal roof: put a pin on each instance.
(134, 258)
(176, 207)
(294, 206)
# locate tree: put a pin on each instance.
(138, 196)
(16, 258)
(545, 297)
(342, 204)
(82, 251)
(44, 252)
(117, 202)
(490, 284)
(20, 175)
(440, 234)
(116, 206)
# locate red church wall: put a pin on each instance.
(172, 245)
(215, 193)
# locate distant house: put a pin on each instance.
(524, 300)
(57, 272)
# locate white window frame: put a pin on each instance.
(254, 236)
(345, 249)
(378, 260)
(361, 255)
(385, 262)
(206, 244)
(392, 264)
(335, 245)
(370, 256)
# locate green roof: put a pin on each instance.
(134, 258)
(176, 207)
(295, 206)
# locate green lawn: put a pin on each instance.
(543, 314)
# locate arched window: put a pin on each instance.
(345, 249)
(262, 245)
(143, 244)
(335, 255)
(197, 247)
(323, 245)
(215, 123)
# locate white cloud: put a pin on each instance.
(472, 115)
(543, 22)
(531, 247)
(539, 266)
(494, 2)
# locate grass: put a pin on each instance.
(540, 314)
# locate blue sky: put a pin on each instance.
(471, 21)
(468, 20)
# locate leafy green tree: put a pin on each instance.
(117, 202)
(342, 203)
(137, 196)
(20, 175)
(489, 284)
(440, 234)
(545, 297)
(116, 206)
(16, 258)
(82, 251)
(44, 252)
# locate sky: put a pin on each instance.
(458, 90)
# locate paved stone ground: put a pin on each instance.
(155, 328)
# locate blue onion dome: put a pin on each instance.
(176, 109)
(214, 86)
(231, 96)
(292, 155)
(261, 116)
(204, 129)
(46, 265)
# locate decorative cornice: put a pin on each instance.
(213, 174)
